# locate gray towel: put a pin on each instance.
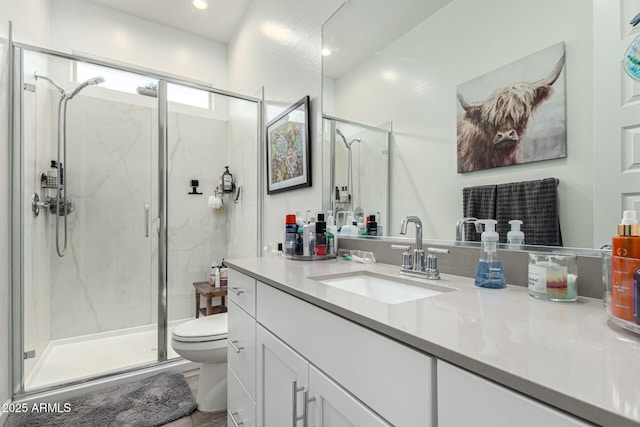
(535, 203)
(478, 202)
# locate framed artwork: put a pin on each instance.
(515, 114)
(289, 149)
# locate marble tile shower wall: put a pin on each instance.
(108, 281)
(197, 234)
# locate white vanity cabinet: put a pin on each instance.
(465, 399)
(291, 391)
(241, 350)
(372, 377)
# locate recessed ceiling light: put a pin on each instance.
(200, 4)
(326, 51)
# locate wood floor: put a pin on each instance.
(197, 418)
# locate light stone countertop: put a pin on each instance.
(567, 355)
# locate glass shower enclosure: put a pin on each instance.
(357, 181)
(108, 234)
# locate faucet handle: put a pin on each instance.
(432, 263)
(407, 259)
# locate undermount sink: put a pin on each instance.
(382, 288)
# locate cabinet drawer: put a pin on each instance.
(241, 409)
(489, 404)
(242, 291)
(241, 348)
(393, 379)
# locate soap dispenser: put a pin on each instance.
(489, 273)
(515, 236)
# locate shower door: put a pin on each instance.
(137, 234)
(94, 310)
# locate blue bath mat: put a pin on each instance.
(152, 401)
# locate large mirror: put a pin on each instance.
(399, 64)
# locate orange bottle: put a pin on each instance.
(625, 261)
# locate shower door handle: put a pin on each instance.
(146, 220)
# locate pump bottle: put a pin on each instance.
(489, 273)
(515, 236)
(625, 261)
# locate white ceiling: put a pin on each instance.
(218, 22)
(362, 27)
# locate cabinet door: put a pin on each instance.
(282, 379)
(465, 399)
(332, 406)
(241, 410)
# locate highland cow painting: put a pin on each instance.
(515, 114)
(288, 155)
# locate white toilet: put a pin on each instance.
(204, 340)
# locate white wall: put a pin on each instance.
(30, 25)
(278, 47)
(91, 28)
(450, 48)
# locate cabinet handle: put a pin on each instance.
(236, 290)
(295, 389)
(146, 220)
(233, 419)
(305, 414)
(234, 346)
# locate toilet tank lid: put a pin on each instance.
(212, 327)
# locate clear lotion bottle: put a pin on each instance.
(489, 273)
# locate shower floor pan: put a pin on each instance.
(78, 358)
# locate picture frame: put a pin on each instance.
(515, 114)
(289, 149)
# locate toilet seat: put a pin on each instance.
(202, 329)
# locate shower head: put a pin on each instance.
(60, 88)
(91, 81)
(346, 144)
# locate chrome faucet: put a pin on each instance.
(418, 265)
(460, 227)
(418, 252)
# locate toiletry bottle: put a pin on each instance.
(351, 230)
(217, 279)
(515, 236)
(306, 231)
(212, 275)
(321, 238)
(372, 226)
(489, 274)
(299, 248)
(52, 174)
(627, 242)
(224, 274)
(331, 242)
(309, 237)
(332, 235)
(330, 219)
(291, 228)
(625, 260)
(227, 181)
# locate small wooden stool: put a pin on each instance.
(204, 289)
